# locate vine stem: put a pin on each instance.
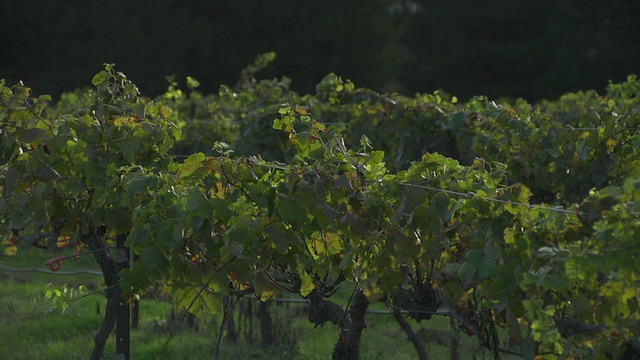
(346, 309)
(186, 311)
(228, 312)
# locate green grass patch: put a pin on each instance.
(35, 328)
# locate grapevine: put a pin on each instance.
(508, 216)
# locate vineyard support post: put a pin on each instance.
(135, 303)
(123, 311)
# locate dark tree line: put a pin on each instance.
(526, 48)
(517, 48)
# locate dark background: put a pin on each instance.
(516, 48)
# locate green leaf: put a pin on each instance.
(541, 274)
(280, 237)
(206, 301)
(192, 83)
(137, 183)
(45, 172)
(286, 120)
(376, 165)
(342, 182)
(137, 236)
(198, 204)
(479, 264)
(546, 252)
(178, 232)
(451, 269)
(491, 252)
(236, 249)
(193, 163)
(129, 149)
(119, 219)
(290, 210)
(32, 135)
(278, 124)
(220, 283)
(468, 269)
(99, 78)
(166, 236)
(346, 261)
(580, 303)
(264, 287)
(556, 283)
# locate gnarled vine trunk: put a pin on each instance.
(351, 322)
(110, 275)
(348, 346)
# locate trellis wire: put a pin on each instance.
(282, 300)
(77, 272)
(474, 195)
(330, 123)
(369, 311)
(451, 192)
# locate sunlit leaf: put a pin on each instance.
(191, 164)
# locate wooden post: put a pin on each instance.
(123, 313)
(135, 304)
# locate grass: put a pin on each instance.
(33, 328)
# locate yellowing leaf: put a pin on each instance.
(301, 110)
(209, 164)
(10, 250)
(63, 241)
(191, 164)
(306, 285)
